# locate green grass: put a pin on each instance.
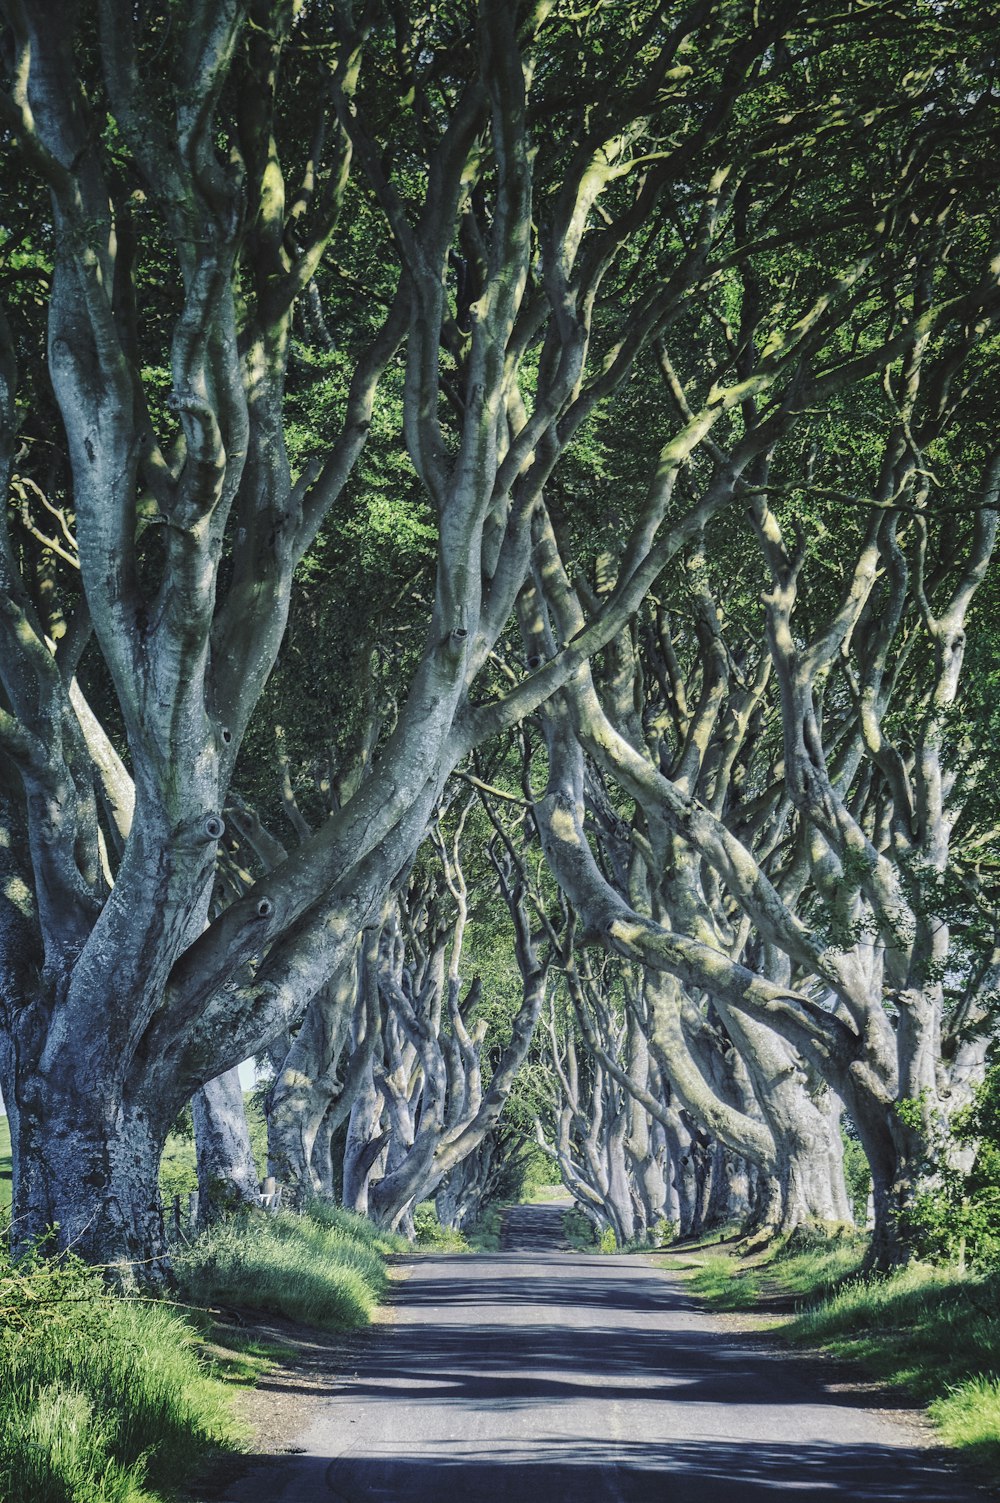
(810, 1267)
(716, 1280)
(804, 1269)
(934, 1332)
(325, 1269)
(103, 1399)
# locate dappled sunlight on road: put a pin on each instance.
(542, 1375)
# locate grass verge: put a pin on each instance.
(327, 1268)
(102, 1399)
(934, 1332)
(105, 1399)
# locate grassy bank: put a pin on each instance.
(102, 1399)
(327, 1268)
(105, 1399)
(934, 1332)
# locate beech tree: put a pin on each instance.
(699, 709)
(548, 193)
(839, 936)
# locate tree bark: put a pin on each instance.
(228, 1179)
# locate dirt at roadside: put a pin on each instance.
(308, 1364)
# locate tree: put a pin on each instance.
(844, 867)
(539, 240)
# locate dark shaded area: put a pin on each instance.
(533, 1229)
(586, 1471)
(539, 1376)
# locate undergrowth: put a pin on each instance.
(432, 1235)
(326, 1268)
(482, 1236)
(103, 1399)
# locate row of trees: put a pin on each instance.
(377, 379)
(391, 1090)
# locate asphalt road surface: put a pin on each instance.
(541, 1375)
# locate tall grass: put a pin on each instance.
(102, 1399)
(933, 1331)
(105, 1399)
(326, 1268)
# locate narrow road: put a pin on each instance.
(540, 1375)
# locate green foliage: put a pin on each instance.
(968, 1418)
(326, 1268)
(912, 1111)
(607, 1242)
(536, 1176)
(958, 1218)
(857, 1176)
(178, 1175)
(103, 1399)
(432, 1235)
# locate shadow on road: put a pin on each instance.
(543, 1376)
(582, 1470)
